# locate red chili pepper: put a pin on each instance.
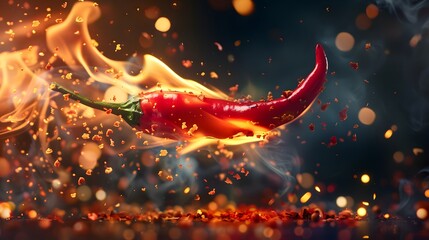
(177, 114)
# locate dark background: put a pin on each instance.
(277, 49)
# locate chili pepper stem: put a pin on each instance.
(130, 110)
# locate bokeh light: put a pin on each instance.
(344, 41)
(372, 11)
(89, 156)
(163, 24)
(243, 7)
(366, 116)
(361, 212)
(365, 178)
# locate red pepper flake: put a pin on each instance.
(108, 132)
(81, 181)
(237, 177)
(354, 65)
(187, 63)
(325, 106)
(97, 138)
(354, 137)
(212, 192)
(228, 181)
(48, 66)
(343, 114)
(367, 46)
(116, 124)
(169, 178)
(109, 111)
(287, 93)
(197, 197)
(333, 141)
(92, 216)
(311, 127)
(57, 163)
(219, 47)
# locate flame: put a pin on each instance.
(24, 88)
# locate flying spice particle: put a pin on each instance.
(343, 114)
(354, 65)
(81, 181)
(212, 192)
(228, 181)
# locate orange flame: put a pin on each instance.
(25, 90)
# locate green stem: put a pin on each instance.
(129, 110)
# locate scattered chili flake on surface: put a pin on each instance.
(236, 176)
(81, 181)
(116, 124)
(311, 127)
(354, 65)
(88, 172)
(354, 137)
(343, 114)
